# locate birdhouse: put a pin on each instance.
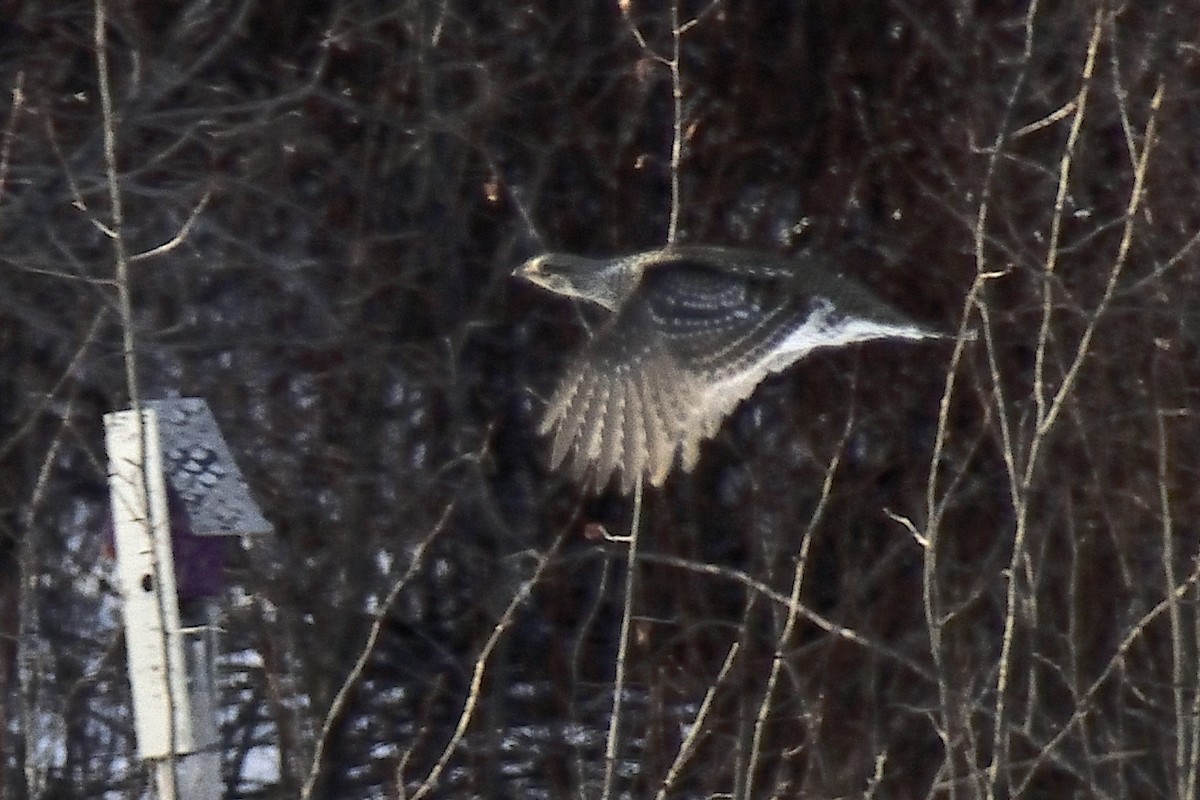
(176, 497)
(207, 497)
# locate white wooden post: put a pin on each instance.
(147, 582)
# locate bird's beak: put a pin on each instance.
(529, 269)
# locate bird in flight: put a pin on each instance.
(692, 331)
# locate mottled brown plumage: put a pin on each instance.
(693, 330)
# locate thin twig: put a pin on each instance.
(999, 759)
(51, 396)
(1136, 195)
(688, 747)
(822, 622)
(31, 655)
(1178, 671)
(1056, 219)
(481, 662)
(612, 745)
(114, 227)
(179, 237)
(789, 625)
(584, 628)
(674, 66)
(931, 595)
(1084, 705)
(360, 664)
(677, 133)
(10, 130)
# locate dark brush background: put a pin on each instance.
(375, 170)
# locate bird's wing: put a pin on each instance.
(660, 376)
(727, 333)
(718, 324)
(621, 405)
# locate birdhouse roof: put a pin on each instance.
(200, 468)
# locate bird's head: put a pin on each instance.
(605, 282)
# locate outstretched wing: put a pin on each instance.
(729, 332)
(690, 344)
(621, 407)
